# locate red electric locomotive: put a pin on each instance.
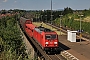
(46, 38)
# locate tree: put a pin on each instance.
(13, 44)
(67, 10)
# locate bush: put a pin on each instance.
(12, 40)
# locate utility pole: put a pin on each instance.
(51, 11)
(60, 23)
(46, 18)
(80, 27)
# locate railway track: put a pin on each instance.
(44, 55)
(56, 57)
(65, 31)
(41, 52)
(64, 53)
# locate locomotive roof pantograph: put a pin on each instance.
(42, 29)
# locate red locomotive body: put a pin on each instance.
(46, 38)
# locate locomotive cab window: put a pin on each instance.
(50, 36)
(53, 36)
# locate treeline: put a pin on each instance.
(70, 17)
(73, 24)
(11, 43)
(46, 14)
(72, 21)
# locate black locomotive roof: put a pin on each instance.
(42, 29)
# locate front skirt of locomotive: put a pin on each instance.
(51, 49)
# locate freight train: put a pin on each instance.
(46, 38)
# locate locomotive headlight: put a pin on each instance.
(46, 43)
(55, 42)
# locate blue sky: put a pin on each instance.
(44, 4)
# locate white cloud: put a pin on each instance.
(5, 1)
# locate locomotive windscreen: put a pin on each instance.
(52, 36)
